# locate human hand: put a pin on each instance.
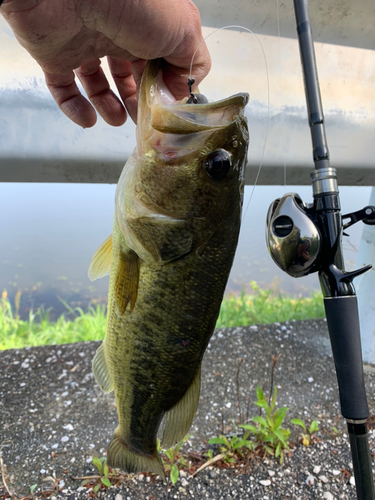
(68, 38)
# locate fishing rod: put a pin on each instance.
(303, 239)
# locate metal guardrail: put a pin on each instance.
(39, 144)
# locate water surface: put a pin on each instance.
(49, 233)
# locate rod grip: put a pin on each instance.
(343, 326)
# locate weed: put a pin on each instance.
(32, 488)
(39, 330)
(307, 437)
(268, 432)
(173, 460)
(101, 465)
(232, 447)
(103, 479)
(265, 306)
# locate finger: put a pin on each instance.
(167, 32)
(175, 73)
(70, 100)
(177, 68)
(104, 100)
(189, 56)
(122, 74)
(185, 47)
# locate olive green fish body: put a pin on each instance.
(176, 226)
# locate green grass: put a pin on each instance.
(265, 306)
(261, 306)
(39, 330)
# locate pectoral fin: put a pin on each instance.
(127, 278)
(101, 262)
(180, 417)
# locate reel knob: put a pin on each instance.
(282, 226)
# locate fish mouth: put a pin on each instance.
(183, 118)
(175, 128)
(171, 116)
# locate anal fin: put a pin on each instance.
(120, 456)
(180, 417)
(100, 370)
(127, 278)
(101, 261)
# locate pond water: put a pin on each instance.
(49, 233)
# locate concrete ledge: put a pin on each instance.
(39, 144)
(100, 171)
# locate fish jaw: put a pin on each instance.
(159, 111)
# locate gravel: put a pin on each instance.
(54, 418)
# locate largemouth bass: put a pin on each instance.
(176, 224)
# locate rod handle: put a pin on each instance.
(343, 326)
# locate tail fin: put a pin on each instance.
(119, 456)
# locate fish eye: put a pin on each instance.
(218, 164)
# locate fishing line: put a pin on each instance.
(268, 98)
(280, 66)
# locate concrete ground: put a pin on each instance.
(54, 418)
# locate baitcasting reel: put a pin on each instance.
(293, 237)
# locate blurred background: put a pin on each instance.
(49, 232)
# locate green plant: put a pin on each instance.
(103, 469)
(268, 432)
(267, 306)
(101, 465)
(232, 447)
(38, 329)
(172, 459)
(208, 454)
(307, 437)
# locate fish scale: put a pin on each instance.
(175, 233)
(154, 335)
